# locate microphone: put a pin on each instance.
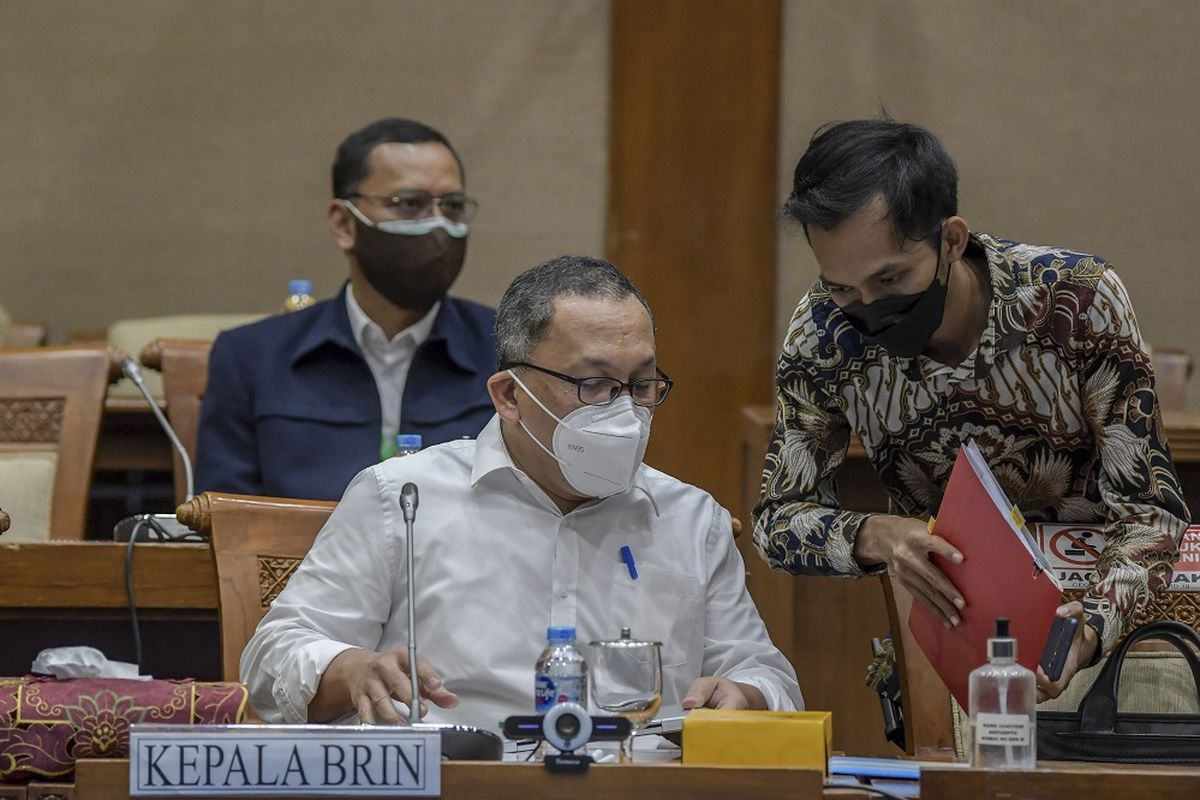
(133, 371)
(408, 503)
(150, 527)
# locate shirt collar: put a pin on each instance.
(1006, 326)
(491, 455)
(413, 336)
(330, 324)
(449, 326)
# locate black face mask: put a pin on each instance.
(903, 324)
(412, 272)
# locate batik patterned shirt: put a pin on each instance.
(1058, 395)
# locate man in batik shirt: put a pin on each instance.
(920, 334)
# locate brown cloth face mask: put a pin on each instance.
(412, 263)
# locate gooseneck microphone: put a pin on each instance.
(408, 504)
(459, 742)
(165, 526)
(132, 371)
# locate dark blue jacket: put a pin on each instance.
(292, 409)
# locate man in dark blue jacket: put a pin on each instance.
(298, 404)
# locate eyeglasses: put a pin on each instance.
(602, 391)
(418, 204)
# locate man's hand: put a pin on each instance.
(723, 693)
(1083, 648)
(903, 545)
(367, 682)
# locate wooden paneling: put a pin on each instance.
(691, 212)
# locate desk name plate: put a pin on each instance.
(283, 760)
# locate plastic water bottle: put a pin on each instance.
(403, 444)
(299, 295)
(1003, 696)
(561, 673)
(408, 443)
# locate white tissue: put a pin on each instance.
(82, 662)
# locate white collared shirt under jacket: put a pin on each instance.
(497, 563)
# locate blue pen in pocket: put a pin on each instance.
(627, 557)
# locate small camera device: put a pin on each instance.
(567, 727)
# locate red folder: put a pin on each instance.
(1000, 577)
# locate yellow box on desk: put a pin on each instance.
(758, 738)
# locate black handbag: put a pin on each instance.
(1098, 731)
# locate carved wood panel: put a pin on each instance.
(31, 420)
(273, 574)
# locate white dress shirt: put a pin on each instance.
(496, 564)
(388, 360)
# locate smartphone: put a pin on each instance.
(1058, 645)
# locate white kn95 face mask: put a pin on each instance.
(598, 448)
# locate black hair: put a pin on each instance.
(353, 160)
(524, 314)
(848, 164)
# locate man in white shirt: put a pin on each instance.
(520, 530)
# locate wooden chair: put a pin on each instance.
(51, 401)
(257, 543)
(25, 334)
(133, 336)
(184, 367)
(1172, 371)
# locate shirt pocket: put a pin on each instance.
(270, 410)
(662, 606)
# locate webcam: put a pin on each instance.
(567, 727)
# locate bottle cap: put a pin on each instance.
(300, 286)
(408, 441)
(1002, 645)
(560, 634)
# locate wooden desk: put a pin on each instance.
(1183, 434)
(98, 779)
(109, 780)
(67, 593)
(1062, 780)
(73, 575)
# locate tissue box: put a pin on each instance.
(758, 738)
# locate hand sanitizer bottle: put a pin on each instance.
(1003, 708)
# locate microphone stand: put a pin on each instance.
(408, 500)
(459, 742)
(132, 371)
